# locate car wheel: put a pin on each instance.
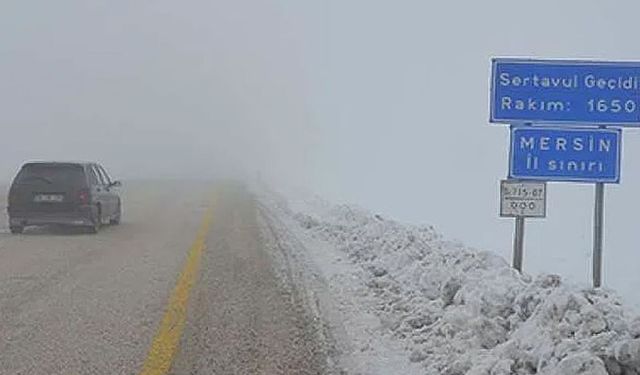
(115, 219)
(16, 229)
(97, 221)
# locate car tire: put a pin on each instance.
(97, 222)
(16, 229)
(115, 219)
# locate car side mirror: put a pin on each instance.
(116, 184)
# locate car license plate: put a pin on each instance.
(48, 198)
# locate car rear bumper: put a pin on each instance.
(81, 216)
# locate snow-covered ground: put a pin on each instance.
(400, 299)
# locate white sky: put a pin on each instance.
(382, 103)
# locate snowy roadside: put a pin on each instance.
(359, 343)
(399, 299)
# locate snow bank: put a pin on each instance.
(462, 311)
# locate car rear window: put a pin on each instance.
(66, 174)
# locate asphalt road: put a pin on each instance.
(203, 297)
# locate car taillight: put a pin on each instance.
(83, 196)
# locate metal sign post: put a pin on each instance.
(518, 244)
(598, 235)
(522, 199)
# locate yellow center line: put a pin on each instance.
(165, 343)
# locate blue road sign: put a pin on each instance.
(565, 92)
(557, 154)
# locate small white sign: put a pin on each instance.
(523, 198)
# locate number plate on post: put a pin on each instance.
(523, 198)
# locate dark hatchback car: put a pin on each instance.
(79, 194)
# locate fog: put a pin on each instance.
(154, 89)
(380, 103)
